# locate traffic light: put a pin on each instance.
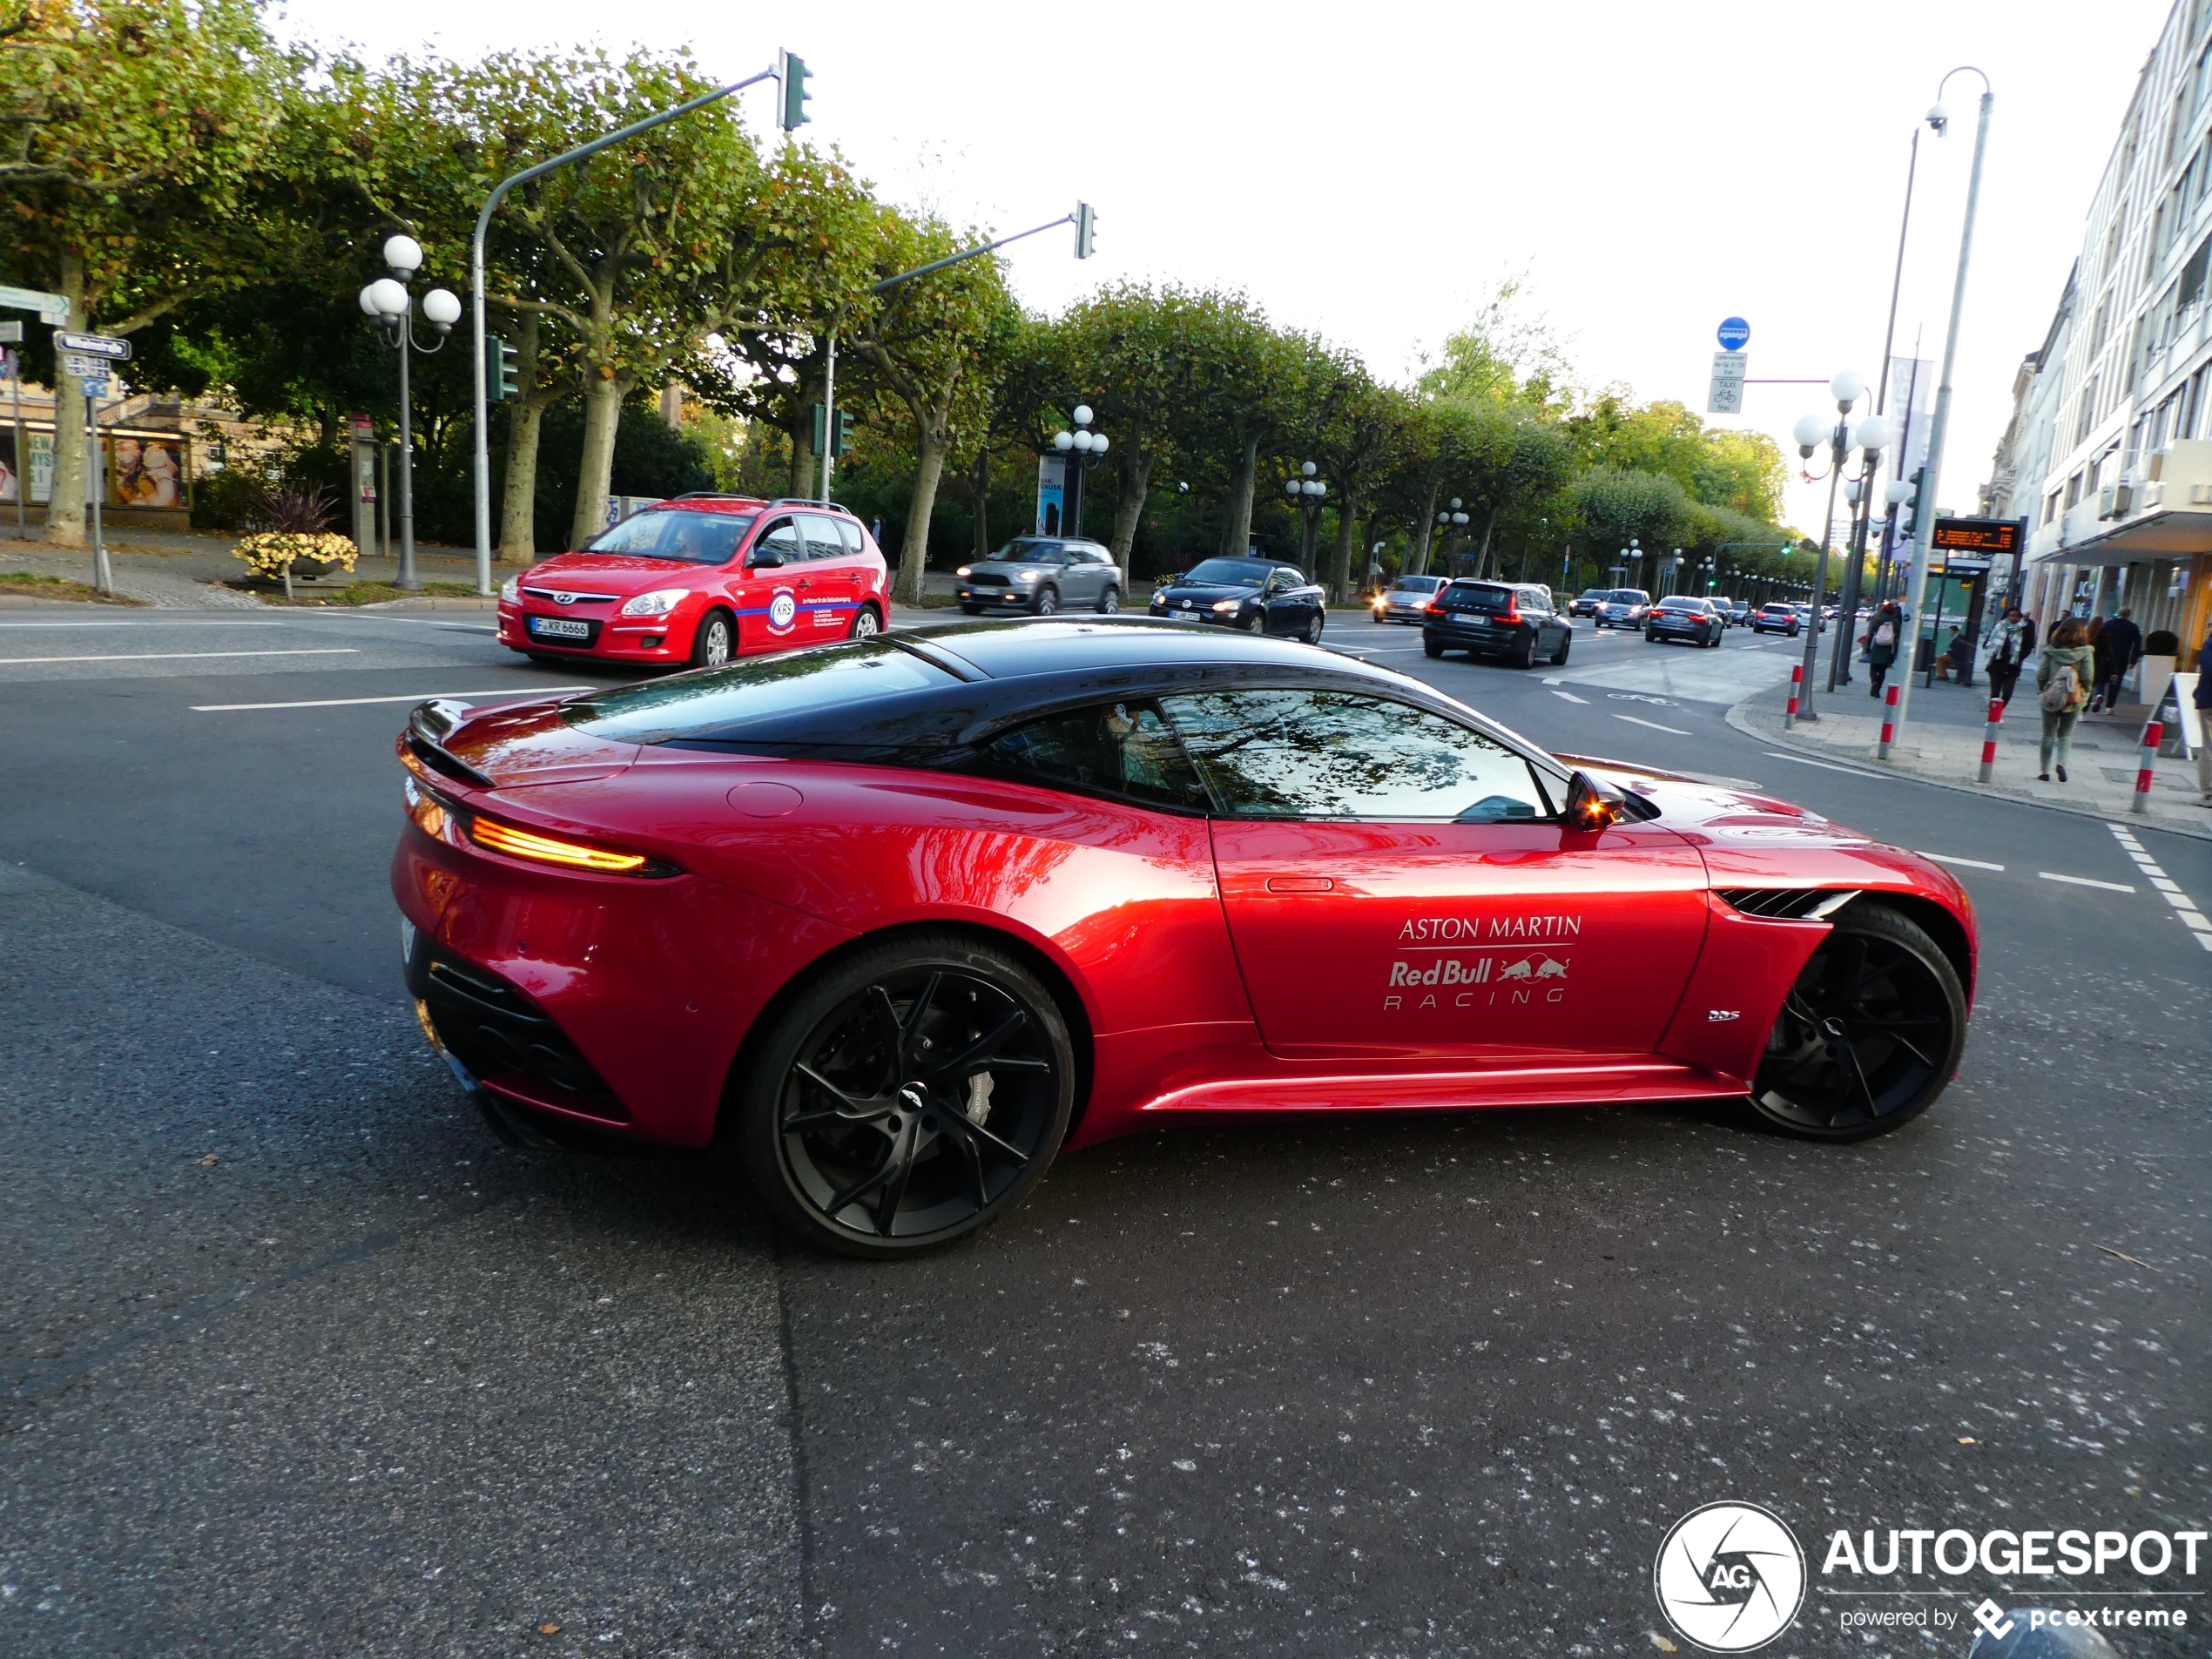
(1913, 504)
(844, 431)
(500, 383)
(844, 418)
(1086, 230)
(791, 71)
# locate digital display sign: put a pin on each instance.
(1977, 535)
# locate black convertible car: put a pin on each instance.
(1257, 595)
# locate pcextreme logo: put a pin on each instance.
(1729, 1577)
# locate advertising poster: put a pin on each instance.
(10, 482)
(1052, 490)
(145, 472)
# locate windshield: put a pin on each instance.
(690, 538)
(1229, 573)
(1420, 584)
(1630, 597)
(722, 702)
(1022, 548)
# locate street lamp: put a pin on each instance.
(390, 307)
(1870, 437)
(1452, 521)
(1082, 449)
(1305, 492)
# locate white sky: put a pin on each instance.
(1369, 171)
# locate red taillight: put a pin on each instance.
(1435, 608)
(1509, 615)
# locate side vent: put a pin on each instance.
(1784, 904)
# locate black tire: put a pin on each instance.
(1313, 628)
(1649, 638)
(846, 1099)
(1558, 657)
(1109, 601)
(971, 610)
(1523, 654)
(1255, 623)
(866, 624)
(1432, 648)
(1047, 603)
(1869, 1036)
(715, 641)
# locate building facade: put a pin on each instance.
(2109, 454)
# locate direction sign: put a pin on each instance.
(83, 368)
(114, 347)
(11, 333)
(1735, 333)
(50, 307)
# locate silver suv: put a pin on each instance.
(1041, 575)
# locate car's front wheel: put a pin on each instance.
(1255, 623)
(908, 1097)
(1046, 601)
(1565, 643)
(1870, 1034)
(1109, 601)
(716, 638)
(1313, 628)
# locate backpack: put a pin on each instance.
(1885, 635)
(2065, 685)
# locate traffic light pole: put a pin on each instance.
(1923, 529)
(567, 157)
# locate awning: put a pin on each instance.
(2164, 535)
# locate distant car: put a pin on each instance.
(1586, 603)
(1776, 617)
(1257, 595)
(1622, 608)
(1739, 611)
(697, 580)
(1040, 575)
(1682, 616)
(1406, 599)
(1496, 619)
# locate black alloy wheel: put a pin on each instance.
(715, 642)
(1047, 600)
(1313, 628)
(908, 1097)
(1870, 1034)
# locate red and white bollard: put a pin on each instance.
(1889, 719)
(1989, 739)
(1797, 680)
(2152, 735)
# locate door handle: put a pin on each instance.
(1300, 883)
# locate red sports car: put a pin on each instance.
(901, 917)
(700, 579)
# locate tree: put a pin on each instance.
(1250, 384)
(128, 130)
(1614, 505)
(1502, 356)
(1441, 448)
(1362, 428)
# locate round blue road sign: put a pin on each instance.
(1735, 332)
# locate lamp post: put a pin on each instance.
(1305, 491)
(1082, 449)
(1452, 521)
(1869, 436)
(1924, 532)
(391, 307)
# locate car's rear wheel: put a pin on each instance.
(1109, 601)
(1870, 1034)
(1523, 655)
(716, 638)
(1431, 647)
(908, 1097)
(866, 624)
(1313, 628)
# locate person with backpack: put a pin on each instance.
(2063, 688)
(2010, 643)
(1881, 645)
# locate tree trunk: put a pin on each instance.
(65, 500)
(805, 459)
(1129, 512)
(913, 550)
(1236, 539)
(525, 418)
(1482, 554)
(978, 481)
(1418, 564)
(1347, 537)
(602, 399)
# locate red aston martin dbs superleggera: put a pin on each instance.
(901, 917)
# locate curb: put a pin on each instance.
(1742, 721)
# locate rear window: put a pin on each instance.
(723, 702)
(1477, 596)
(1678, 603)
(687, 537)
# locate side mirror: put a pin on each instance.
(765, 558)
(1590, 804)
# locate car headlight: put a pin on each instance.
(1027, 575)
(1228, 604)
(962, 571)
(510, 591)
(1160, 598)
(658, 603)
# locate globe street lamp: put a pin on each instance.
(1305, 492)
(1082, 447)
(1452, 521)
(1870, 437)
(390, 306)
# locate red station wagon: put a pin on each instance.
(700, 579)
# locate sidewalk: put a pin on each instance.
(1942, 745)
(182, 569)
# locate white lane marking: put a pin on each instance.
(1551, 679)
(1571, 697)
(2184, 906)
(2084, 881)
(1824, 765)
(149, 621)
(410, 696)
(1654, 724)
(1970, 864)
(175, 656)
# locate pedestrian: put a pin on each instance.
(2093, 635)
(1881, 646)
(2203, 701)
(2062, 686)
(2010, 642)
(2119, 649)
(1957, 654)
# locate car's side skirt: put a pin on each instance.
(1584, 1082)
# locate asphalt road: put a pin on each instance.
(299, 1361)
